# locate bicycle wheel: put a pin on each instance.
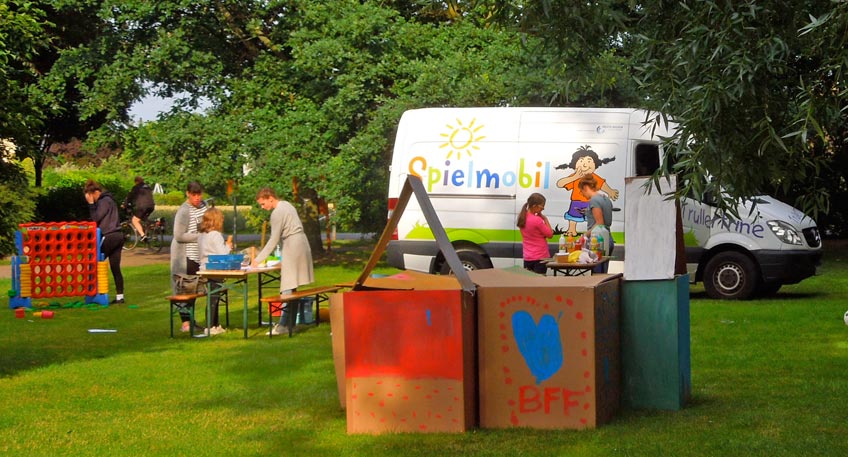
(155, 238)
(130, 236)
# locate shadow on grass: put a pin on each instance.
(33, 343)
(779, 296)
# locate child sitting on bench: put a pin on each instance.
(211, 242)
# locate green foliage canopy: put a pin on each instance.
(320, 103)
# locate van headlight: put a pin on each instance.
(784, 232)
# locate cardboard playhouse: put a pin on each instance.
(430, 353)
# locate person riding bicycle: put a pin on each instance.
(140, 202)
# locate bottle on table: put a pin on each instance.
(578, 245)
(562, 246)
(602, 247)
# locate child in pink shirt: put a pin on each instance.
(535, 231)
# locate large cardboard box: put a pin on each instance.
(408, 342)
(409, 351)
(549, 351)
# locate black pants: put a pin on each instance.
(192, 268)
(113, 244)
(213, 302)
(536, 266)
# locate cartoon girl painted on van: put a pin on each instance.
(584, 161)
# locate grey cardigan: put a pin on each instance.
(180, 240)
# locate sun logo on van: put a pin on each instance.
(461, 138)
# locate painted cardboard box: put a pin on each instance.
(548, 350)
(408, 343)
(410, 356)
(655, 347)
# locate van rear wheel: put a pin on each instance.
(731, 276)
(471, 260)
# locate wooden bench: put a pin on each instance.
(280, 302)
(185, 302)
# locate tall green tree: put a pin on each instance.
(54, 79)
(301, 89)
(323, 95)
(21, 31)
(22, 27)
(758, 101)
(757, 88)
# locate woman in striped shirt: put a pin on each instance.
(185, 256)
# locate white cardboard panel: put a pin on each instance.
(649, 225)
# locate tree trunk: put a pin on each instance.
(307, 208)
(38, 166)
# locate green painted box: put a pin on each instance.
(655, 349)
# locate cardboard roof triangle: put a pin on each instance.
(413, 185)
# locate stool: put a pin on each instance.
(183, 303)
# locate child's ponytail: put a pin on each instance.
(522, 216)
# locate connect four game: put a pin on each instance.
(58, 259)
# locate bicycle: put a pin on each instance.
(155, 231)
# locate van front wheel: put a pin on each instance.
(730, 276)
(471, 260)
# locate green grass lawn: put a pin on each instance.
(769, 377)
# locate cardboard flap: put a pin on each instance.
(414, 185)
(493, 277)
(412, 280)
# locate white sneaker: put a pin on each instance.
(217, 330)
(278, 330)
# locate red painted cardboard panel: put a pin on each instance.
(413, 334)
(410, 361)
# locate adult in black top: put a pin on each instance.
(140, 201)
(104, 211)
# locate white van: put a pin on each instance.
(479, 165)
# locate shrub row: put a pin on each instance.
(169, 211)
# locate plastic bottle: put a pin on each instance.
(593, 244)
(277, 252)
(562, 246)
(602, 247)
(569, 243)
(579, 244)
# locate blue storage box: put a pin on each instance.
(223, 265)
(226, 258)
(225, 262)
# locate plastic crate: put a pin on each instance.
(226, 258)
(232, 265)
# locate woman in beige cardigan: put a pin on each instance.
(287, 230)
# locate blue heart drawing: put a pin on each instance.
(540, 344)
